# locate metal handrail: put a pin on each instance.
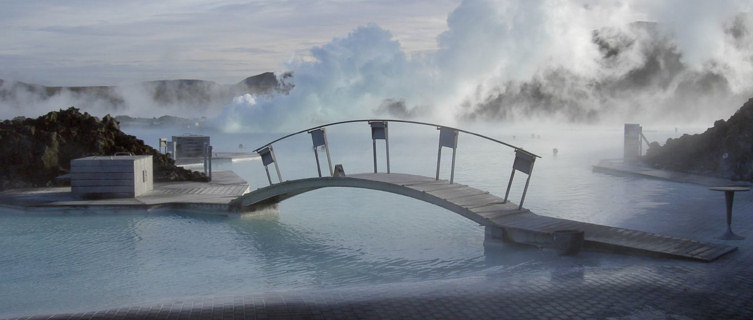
(399, 121)
(448, 137)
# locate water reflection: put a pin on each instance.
(338, 237)
(334, 244)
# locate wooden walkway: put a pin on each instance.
(211, 197)
(618, 166)
(491, 211)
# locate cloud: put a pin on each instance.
(345, 79)
(581, 61)
(132, 41)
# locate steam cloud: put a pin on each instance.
(148, 99)
(582, 61)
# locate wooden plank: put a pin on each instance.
(492, 215)
(700, 250)
(455, 193)
(396, 178)
(597, 233)
(612, 236)
(688, 247)
(666, 245)
(471, 193)
(488, 214)
(563, 225)
(435, 186)
(492, 207)
(716, 253)
(480, 198)
(680, 246)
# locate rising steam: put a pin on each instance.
(581, 61)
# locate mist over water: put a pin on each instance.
(583, 62)
(571, 61)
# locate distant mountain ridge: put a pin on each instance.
(188, 94)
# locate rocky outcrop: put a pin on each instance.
(725, 150)
(36, 151)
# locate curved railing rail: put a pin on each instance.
(397, 121)
(448, 137)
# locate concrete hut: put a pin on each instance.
(112, 176)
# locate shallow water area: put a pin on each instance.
(332, 238)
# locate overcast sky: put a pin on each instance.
(94, 42)
(452, 58)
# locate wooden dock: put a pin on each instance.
(208, 197)
(217, 158)
(618, 166)
(519, 225)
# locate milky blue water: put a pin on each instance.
(62, 262)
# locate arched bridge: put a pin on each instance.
(502, 218)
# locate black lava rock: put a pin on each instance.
(725, 150)
(36, 151)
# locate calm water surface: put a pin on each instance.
(53, 262)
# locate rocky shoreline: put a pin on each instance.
(35, 152)
(724, 150)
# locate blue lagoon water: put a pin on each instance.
(54, 262)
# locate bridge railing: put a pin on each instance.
(448, 138)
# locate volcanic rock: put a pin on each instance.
(36, 151)
(725, 150)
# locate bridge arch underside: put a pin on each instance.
(461, 199)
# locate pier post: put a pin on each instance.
(210, 163)
(494, 233)
(205, 159)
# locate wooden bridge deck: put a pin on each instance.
(491, 211)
